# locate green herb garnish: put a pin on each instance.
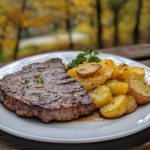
(39, 97)
(86, 56)
(56, 95)
(26, 81)
(36, 81)
(71, 93)
(30, 66)
(22, 88)
(27, 86)
(23, 94)
(54, 75)
(42, 80)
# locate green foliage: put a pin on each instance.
(41, 79)
(48, 16)
(116, 4)
(86, 56)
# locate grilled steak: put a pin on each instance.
(45, 90)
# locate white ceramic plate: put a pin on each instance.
(73, 132)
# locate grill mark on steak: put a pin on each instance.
(60, 98)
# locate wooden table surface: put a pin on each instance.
(138, 141)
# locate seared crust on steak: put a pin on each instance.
(60, 97)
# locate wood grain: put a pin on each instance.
(146, 62)
(2, 64)
(136, 52)
(137, 141)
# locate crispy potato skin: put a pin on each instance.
(132, 105)
(140, 99)
(123, 65)
(93, 81)
(119, 81)
(87, 70)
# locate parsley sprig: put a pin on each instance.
(86, 56)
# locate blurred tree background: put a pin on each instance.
(38, 26)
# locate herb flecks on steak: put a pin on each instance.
(59, 98)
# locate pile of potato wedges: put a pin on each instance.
(116, 90)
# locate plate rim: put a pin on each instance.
(71, 141)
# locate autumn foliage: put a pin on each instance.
(106, 23)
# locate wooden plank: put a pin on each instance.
(136, 52)
(2, 133)
(146, 62)
(2, 64)
(137, 141)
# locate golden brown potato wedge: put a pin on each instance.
(98, 78)
(109, 63)
(130, 73)
(116, 87)
(122, 66)
(101, 96)
(132, 105)
(87, 70)
(115, 109)
(72, 72)
(140, 91)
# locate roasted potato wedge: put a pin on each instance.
(132, 105)
(115, 109)
(122, 66)
(137, 70)
(129, 73)
(93, 81)
(101, 96)
(109, 63)
(86, 70)
(140, 91)
(116, 87)
(72, 72)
